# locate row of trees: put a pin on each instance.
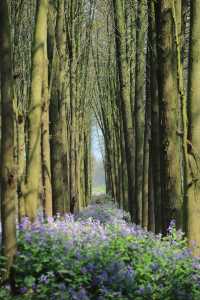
(147, 93)
(45, 111)
(136, 64)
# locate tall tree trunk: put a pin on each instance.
(193, 214)
(124, 80)
(46, 161)
(140, 103)
(21, 164)
(56, 114)
(172, 196)
(35, 108)
(72, 40)
(8, 171)
(183, 123)
(155, 118)
(146, 149)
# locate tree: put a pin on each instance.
(124, 81)
(33, 175)
(45, 143)
(172, 196)
(155, 201)
(57, 109)
(193, 212)
(140, 106)
(8, 168)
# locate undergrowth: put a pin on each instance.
(99, 255)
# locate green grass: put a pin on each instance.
(101, 189)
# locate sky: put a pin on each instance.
(98, 167)
(97, 143)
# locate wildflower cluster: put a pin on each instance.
(92, 257)
(105, 212)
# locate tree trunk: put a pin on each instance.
(124, 80)
(8, 170)
(21, 164)
(56, 114)
(46, 161)
(140, 103)
(32, 197)
(172, 196)
(193, 207)
(155, 118)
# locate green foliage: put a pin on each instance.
(87, 259)
(100, 189)
(3, 269)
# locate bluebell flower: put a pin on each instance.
(155, 267)
(171, 226)
(44, 279)
(23, 290)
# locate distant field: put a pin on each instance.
(99, 189)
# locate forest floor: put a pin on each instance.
(100, 255)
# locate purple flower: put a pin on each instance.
(196, 265)
(25, 223)
(23, 290)
(79, 295)
(141, 291)
(172, 226)
(28, 237)
(44, 279)
(155, 267)
(62, 286)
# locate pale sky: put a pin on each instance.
(97, 143)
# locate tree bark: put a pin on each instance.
(172, 195)
(8, 170)
(56, 114)
(45, 143)
(32, 197)
(155, 118)
(193, 206)
(140, 106)
(124, 80)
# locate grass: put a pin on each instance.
(101, 189)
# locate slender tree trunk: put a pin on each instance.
(124, 80)
(21, 164)
(72, 83)
(193, 206)
(46, 161)
(146, 148)
(183, 123)
(32, 198)
(141, 34)
(8, 170)
(172, 196)
(56, 114)
(155, 118)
